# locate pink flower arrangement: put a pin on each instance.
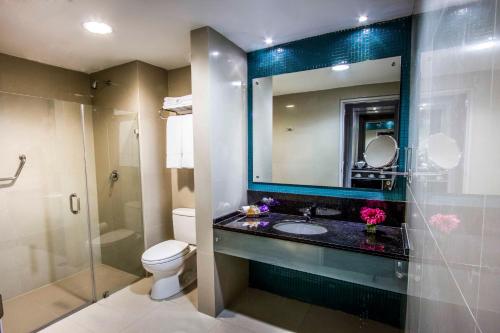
(372, 216)
(444, 223)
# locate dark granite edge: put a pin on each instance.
(227, 216)
(217, 225)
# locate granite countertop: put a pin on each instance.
(350, 236)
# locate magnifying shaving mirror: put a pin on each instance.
(381, 152)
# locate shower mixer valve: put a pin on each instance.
(114, 176)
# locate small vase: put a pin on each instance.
(371, 228)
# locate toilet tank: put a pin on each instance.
(184, 225)
(133, 216)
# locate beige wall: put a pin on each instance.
(156, 183)
(179, 84)
(21, 76)
(309, 153)
(136, 92)
(49, 242)
(41, 240)
(116, 108)
(220, 139)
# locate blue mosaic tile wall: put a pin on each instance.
(376, 41)
(362, 301)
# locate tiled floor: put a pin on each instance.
(32, 310)
(131, 310)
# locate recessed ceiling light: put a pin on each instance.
(215, 53)
(98, 27)
(289, 106)
(341, 67)
(268, 41)
(362, 18)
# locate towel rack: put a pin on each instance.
(178, 111)
(22, 161)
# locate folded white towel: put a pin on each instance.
(174, 142)
(187, 141)
(171, 105)
(173, 102)
(179, 99)
(171, 99)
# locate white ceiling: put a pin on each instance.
(366, 72)
(157, 31)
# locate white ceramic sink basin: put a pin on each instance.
(300, 228)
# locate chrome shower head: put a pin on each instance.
(95, 83)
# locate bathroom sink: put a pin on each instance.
(300, 228)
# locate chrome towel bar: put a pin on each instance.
(22, 161)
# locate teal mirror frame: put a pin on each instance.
(376, 41)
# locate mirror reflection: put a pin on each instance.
(316, 127)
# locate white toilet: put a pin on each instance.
(173, 262)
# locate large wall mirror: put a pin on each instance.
(334, 126)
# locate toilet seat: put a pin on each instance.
(165, 251)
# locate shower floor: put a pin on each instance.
(37, 308)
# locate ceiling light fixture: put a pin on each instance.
(341, 67)
(98, 27)
(362, 18)
(268, 41)
(290, 106)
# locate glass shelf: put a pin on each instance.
(368, 270)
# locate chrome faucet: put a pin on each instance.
(309, 212)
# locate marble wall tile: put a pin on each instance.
(453, 197)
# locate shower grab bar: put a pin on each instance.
(22, 161)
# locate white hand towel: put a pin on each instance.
(187, 141)
(174, 142)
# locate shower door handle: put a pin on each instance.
(72, 198)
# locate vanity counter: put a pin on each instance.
(349, 236)
(344, 252)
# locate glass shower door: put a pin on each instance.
(45, 264)
(120, 240)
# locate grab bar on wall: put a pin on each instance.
(22, 161)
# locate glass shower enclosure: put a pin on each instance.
(70, 207)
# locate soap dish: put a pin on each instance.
(254, 211)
